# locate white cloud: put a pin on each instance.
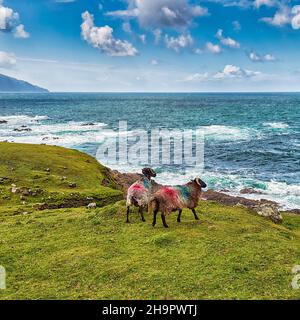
(236, 26)
(161, 13)
(267, 3)
(179, 43)
(154, 62)
(126, 27)
(281, 18)
(19, 32)
(261, 58)
(7, 60)
(124, 13)
(8, 18)
(213, 48)
(295, 22)
(157, 35)
(196, 77)
(226, 41)
(235, 3)
(9, 21)
(232, 71)
(285, 15)
(142, 37)
(103, 39)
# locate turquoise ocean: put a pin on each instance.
(251, 140)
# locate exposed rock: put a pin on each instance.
(263, 207)
(25, 191)
(3, 121)
(72, 185)
(88, 124)
(250, 191)
(22, 129)
(105, 182)
(92, 205)
(294, 211)
(4, 180)
(269, 211)
(124, 180)
(224, 190)
(232, 200)
(14, 188)
(48, 170)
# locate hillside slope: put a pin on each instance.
(78, 253)
(9, 84)
(52, 177)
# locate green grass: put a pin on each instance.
(77, 253)
(50, 170)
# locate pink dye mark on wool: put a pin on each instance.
(137, 187)
(172, 196)
(169, 193)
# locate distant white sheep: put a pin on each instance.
(92, 205)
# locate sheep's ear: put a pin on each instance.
(201, 183)
(197, 180)
(148, 172)
(145, 171)
(153, 173)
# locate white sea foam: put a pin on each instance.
(22, 119)
(73, 134)
(221, 132)
(276, 125)
(288, 196)
(63, 134)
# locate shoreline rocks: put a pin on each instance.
(263, 207)
(250, 191)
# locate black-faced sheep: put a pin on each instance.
(138, 194)
(172, 198)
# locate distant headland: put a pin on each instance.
(9, 84)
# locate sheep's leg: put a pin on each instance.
(154, 217)
(142, 214)
(195, 214)
(163, 219)
(179, 216)
(127, 215)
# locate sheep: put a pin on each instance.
(92, 205)
(138, 194)
(173, 198)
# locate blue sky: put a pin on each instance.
(152, 45)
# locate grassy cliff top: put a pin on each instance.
(78, 253)
(52, 175)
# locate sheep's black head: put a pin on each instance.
(200, 183)
(149, 173)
